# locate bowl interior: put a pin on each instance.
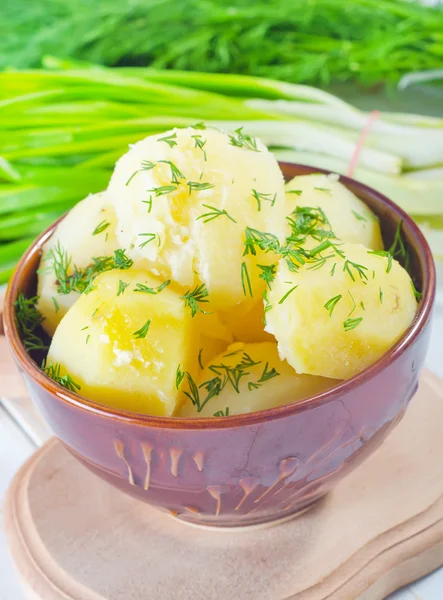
(421, 269)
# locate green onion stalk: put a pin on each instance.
(62, 127)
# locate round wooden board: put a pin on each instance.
(74, 537)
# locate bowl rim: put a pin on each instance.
(423, 314)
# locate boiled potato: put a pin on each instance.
(183, 200)
(87, 231)
(336, 320)
(350, 219)
(266, 382)
(246, 323)
(123, 347)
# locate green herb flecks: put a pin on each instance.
(53, 371)
(145, 289)
(200, 364)
(121, 287)
(145, 165)
(260, 197)
(383, 254)
(102, 226)
(283, 298)
(179, 375)
(242, 140)
(297, 192)
(176, 174)
(56, 304)
(162, 190)
(398, 248)
(349, 266)
(169, 139)
(221, 413)
(29, 319)
(418, 295)
(332, 303)
(214, 213)
(350, 324)
(194, 298)
(359, 217)
(245, 279)
(142, 332)
(200, 143)
(150, 237)
(198, 186)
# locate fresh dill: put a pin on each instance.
(283, 298)
(221, 413)
(142, 332)
(398, 248)
(359, 269)
(354, 305)
(56, 304)
(53, 371)
(213, 214)
(245, 279)
(332, 303)
(200, 143)
(145, 165)
(149, 203)
(198, 186)
(88, 337)
(383, 254)
(29, 319)
(150, 237)
(200, 364)
(140, 287)
(176, 174)
(418, 295)
(242, 140)
(121, 287)
(102, 226)
(260, 197)
(169, 139)
(267, 305)
(359, 217)
(268, 374)
(179, 375)
(194, 298)
(268, 273)
(162, 190)
(380, 295)
(350, 324)
(321, 189)
(297, 192)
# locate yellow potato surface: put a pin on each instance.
(350, 219)
(124, 349)
(338, 319)
(183, 200)
(267, 382)
(247, 324)
(75, 237)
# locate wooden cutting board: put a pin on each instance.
(74, 537)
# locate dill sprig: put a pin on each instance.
(214, 213)
(140, 287)
(162, 190)
(150, 237)
(332, 303)
(169, 139)
(194, 298)
(245, 279)
(383, 254)
(200, 143)
(176, 174)
(29, 319)
(358, 216)
(399, 249)
(121, 287)
(145, 165)
(142, 332)
(268, 273)
(242, 140)
(283, 298)
(350, 324)
(221, 413)
(199, 186)
(359, 270)
(260, 197)
(53, 371)
(102, 226)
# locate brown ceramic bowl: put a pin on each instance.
(251, 468)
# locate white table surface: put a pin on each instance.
(18, 442)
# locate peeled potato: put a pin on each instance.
(267, 383)
(350, 219)
(246, 323)
(124, 349)
(338, 319)
(75, 235)
(183, 200)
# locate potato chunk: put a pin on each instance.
(123, 346)
(336, 320)
(255, 379)
(350, 219)
(183, 200)
(87, 231)
(246, 323)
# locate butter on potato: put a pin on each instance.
(87, 231)
(349, 217)
(123, 347)
(183, 200)
(337, 319)
(255, 379)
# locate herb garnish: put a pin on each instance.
(213, 214)
(245, 280)
(259, 197)
(176, 174)
(384, 254)
(146, 165)
(200, 143)
(200, 364)
(102, 226)
(352, 323)
(121, 287)
(169, 139)
(268, 273)
(28, 319)
(199, 186)
(141, 333)
(140, 287)
(150, 237)
(331, 304)
(283, 298)
(359, 216)
(220, 413)
(242, 140)
(193, 298)
(162, 190)
(53, 371)
(55, 303)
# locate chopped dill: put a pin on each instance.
(140, 287)
(169, 139)
(121, 287)
(350, 324)
(283, 298)
(213, 214)
(242, 140)
(261, 197)
(141, 333)
(194, 298)
(198, 186)
(245, 280)
(28, 319)
(220, 413)
(53, 371)
(102, 226)
(332, 303)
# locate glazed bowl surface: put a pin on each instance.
(245, 469)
